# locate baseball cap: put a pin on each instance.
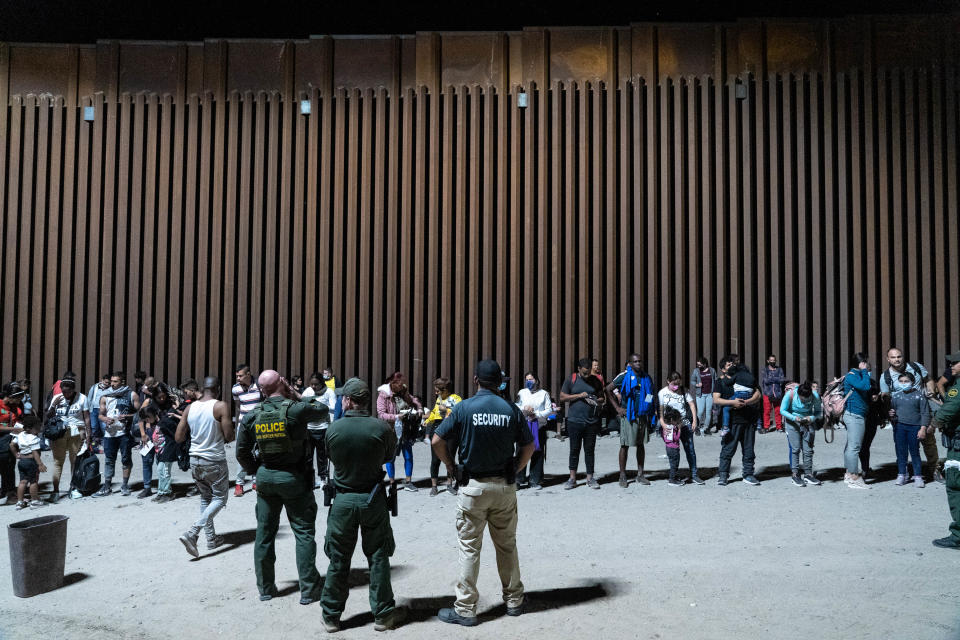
(354, 388)
(488, 371)
(954, 357)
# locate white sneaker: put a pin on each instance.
(75, 495)
(857, 483)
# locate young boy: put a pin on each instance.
(910, 415)
(26, 447)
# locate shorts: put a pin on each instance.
(29, 470)
(633, 432)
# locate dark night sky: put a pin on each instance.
(80, 21)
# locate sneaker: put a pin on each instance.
(104, 491)
(36, 504)
(238, 491)
(641, 479)
(190, 542)
(536, 487)
(193, 491)
(857, 483)
(408, 486)
(593, 484)
(947, 543)
(451, 616)
(623, 480)
(796, 479)
(918, 482)
(146, 493)
(23, 504)
(433, 491)
(518, 610)
(166, 497)
(392, 620)
(673, 482)
(811, 479)
(901, 480)
(330, 626)
(724, 432)
(214, 542)
(75, 494)
(696, 479)
(54, 497)
(124, 490)
(751, 479)
(938, 476)
(452, 489)
(722, 480)
(569, 484)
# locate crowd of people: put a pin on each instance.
(114, 418)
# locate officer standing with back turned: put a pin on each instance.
(494, 443)
(284, 475)
(947, 420)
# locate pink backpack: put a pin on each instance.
(834, 401)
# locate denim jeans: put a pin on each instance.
(122, 443)
(686, 441)
(905, 441)
(146, 463)
(705, 411)
(164, 478)
(725, 413)
(585, 434)
(96, 428)
(800, 439)
(855, 425)
(213, 480)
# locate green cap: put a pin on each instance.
(354, 388)
(954, 357)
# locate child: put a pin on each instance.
(26, 447)
(740, 392)
(910, 414)
(670, 423)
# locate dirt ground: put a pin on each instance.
(774, 561)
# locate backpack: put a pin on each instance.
(86, 475)
(910, 365)
(834, 401)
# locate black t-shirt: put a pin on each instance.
(487, 428)
(725, 387)
(581, 410)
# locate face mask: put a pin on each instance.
(674, 387)
(530, 384)
(903, 386)
(327, 377)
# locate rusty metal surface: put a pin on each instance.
(421, 228)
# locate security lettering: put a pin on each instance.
(492, 419)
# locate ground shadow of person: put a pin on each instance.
(233, 540)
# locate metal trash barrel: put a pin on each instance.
(38, 549)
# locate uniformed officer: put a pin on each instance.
(494, 444)
(358, 445)
(948, 420)
(278, 426)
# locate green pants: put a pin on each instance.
(952, 476)
(276, 490)
(348, 513)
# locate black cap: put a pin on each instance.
(488, 371)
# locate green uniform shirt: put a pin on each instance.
(949, 413)
(358, 445)
(298, 415)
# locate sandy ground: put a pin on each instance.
(774, 561)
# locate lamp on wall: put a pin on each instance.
(304, 107)
(740, 91)
(522, 100)
(88, 114)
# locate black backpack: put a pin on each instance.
(86, 475)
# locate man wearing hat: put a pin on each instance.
(948, 420)
(494, 443)
(358, 445)
(284, 476)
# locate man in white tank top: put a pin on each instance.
(207, 422)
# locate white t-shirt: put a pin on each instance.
(27, 443)
(673, 399)
(73, 415)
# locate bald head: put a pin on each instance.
(270, 383)
(211, 382)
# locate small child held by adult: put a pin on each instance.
(910, 415)
(670, 424)
(26, 447)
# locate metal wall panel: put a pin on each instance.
(421, 229)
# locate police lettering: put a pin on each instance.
(494, 419)
(267, 430)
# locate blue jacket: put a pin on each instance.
(858, 381)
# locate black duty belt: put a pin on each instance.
(343, 490)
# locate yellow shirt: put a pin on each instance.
(435, 415)
(331, 383)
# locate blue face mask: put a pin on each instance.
(530, 384)
(903, 386)
(503, 386)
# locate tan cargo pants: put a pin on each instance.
(487, 501)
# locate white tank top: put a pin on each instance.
(206, 438)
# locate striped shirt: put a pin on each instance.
(247, 398)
